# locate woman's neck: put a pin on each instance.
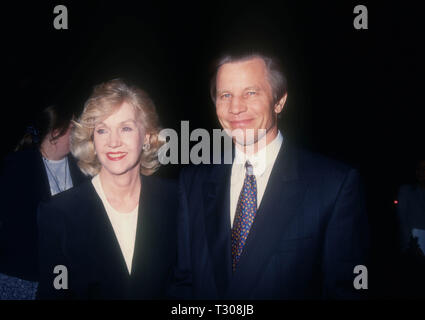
(121, 188)
(49, 151)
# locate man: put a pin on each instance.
(277, 223)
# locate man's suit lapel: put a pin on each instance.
(216, 193)
(283, 195)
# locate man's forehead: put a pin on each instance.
(242, 71)
(251, 63)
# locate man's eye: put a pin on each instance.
(252, 93)
(127, 129)
(226, 95)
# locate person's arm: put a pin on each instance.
(181, 287)
(346, 241)
(404, 230)
(50, 230)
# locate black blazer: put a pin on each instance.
(23, 184)
(75, 231)
(309, 233)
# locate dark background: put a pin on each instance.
(354, 95)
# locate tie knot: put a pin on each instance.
(249, 168)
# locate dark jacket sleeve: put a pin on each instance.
(346, 241)
(51, 230)
(404, 228)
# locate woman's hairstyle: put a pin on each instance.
(53, 121)
(105, 99)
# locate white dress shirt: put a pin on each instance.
(124, 224)
(262, 163)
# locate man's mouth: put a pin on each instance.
(240, 123)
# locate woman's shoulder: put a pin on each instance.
(20, 159)
(162, 190)
(160, 182)
(71, 200)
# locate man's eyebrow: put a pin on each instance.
(253, 88)
(221, 91)
(247, 88)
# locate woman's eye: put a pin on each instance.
(127, 129)
(100, 131)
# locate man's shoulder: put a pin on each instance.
(313, 163)
(318, 169)
(309, 165)
(199, 170)
(202, 172)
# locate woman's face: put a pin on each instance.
(118, 141)
(61, 144)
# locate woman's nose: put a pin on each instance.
(114, 139)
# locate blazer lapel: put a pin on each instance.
(44, 181)
(152, 242)
(216, 198)
(146, 230)
(105, 253)
(76, 175)
(283, 195)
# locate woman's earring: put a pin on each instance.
(146, 146)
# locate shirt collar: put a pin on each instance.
(263, 158)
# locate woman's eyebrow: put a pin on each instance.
(129, 120)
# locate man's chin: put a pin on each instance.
(243, 142)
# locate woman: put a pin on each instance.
(114, 234)
(39, 169)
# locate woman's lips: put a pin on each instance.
(115, 156)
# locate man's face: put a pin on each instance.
(245, 101)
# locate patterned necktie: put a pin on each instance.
(245, 214)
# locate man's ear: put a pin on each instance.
(278, 107)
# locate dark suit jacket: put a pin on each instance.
(309, 233)
(23, 184)
(75, 231)
(410, 212)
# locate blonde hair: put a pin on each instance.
(105, 99)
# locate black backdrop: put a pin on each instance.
(355, 95)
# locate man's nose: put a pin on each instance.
(237, 105)
(114, 139)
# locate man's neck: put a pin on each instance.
(259, 144)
